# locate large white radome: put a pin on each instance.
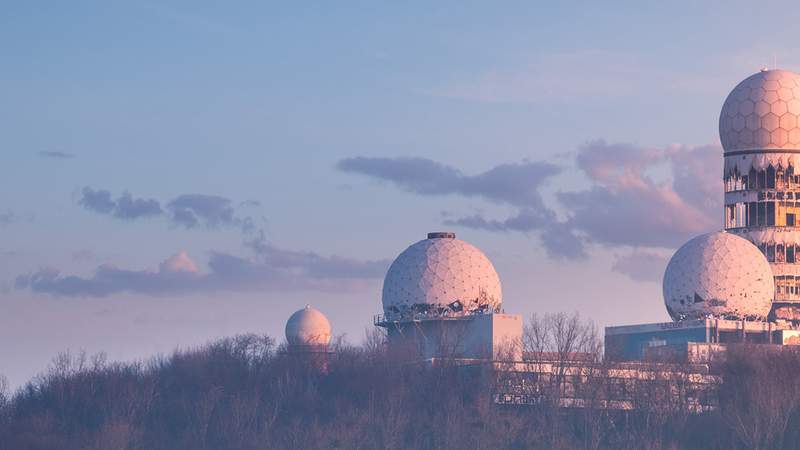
(433, 273)
(718, 274)
(762, 112)
(308, 327)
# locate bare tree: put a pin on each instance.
(761, 394)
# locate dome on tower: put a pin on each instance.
(308, 326)
(441, 275)
(762, 112)
(718, 274)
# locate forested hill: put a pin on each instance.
(244, 393)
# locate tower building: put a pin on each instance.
(719, 288)
(759, 127)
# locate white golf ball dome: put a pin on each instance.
(307, 327)
(441, 275)
(762, 112)
(718, 274)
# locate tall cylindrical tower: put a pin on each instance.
(759, 127)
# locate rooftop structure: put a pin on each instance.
(308, 334)
(676, 340)
(440, 276)
(308, 327)
(442, 298)
(721, 275)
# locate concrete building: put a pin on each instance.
(473, 336)
(695, 340)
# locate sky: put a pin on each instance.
(174, 172)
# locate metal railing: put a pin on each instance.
(384, 319)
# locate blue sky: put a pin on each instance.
(259, 113)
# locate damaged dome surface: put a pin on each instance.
(441, 276)
(718, 274)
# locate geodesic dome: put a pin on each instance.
(308, 327)
(441, 276)
(762, 112)
(718, 274)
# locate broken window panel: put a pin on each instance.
(770, 177)
(730, 220)
(770, 216)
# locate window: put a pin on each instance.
(770, 177)
(770, 214)
(730, 218)
(771, 253)
(789, 219)
(780, 256)
(762, 214)
(790, 254)
(752, 214)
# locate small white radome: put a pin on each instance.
(308, 327)
(441, 275)
(718, 274)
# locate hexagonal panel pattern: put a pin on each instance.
(718, 274)
(307, 327)
(762, 112)
(434, 273)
